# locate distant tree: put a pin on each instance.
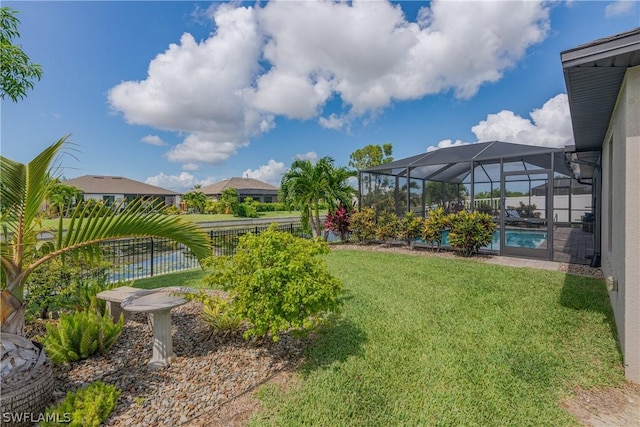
(228, 201)
(195, 200)
(370, 156)
(446, 195)
(17, 72)
(61, 198)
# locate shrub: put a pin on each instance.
(363, 224)
(339, 222)
(387, 226)
(246, 209)
(410, 227)
(172, 210)
(218, 313)
(277, 282)
(470, 231)
(58, 285)
(434, 225)
(81, 334)
(212, 207)
(88, 407)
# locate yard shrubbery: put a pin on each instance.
(468, 231)
(277, 282)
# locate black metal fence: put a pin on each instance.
(136, 258)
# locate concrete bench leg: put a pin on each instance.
(115, 310)
(162, 340)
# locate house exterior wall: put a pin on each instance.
(620, 247)
(168, 200)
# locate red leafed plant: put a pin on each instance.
(339, 222)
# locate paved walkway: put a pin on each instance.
(525, 262)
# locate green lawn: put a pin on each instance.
(447, 342)
(432, 341)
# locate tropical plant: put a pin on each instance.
(363, 224)
(410, 227)
(434, 225)
(469, 231)
(17, 72)
(339, 222)
(88, 407)
(277, 282)
(387, 226)
(306, 186)
(195, 200)
(61, 198)
(81, 334)
(218, 313)
(23, 190)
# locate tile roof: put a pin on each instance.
(94, 184)
(240, 184)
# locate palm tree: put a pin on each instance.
(23, 190)
(305, 186)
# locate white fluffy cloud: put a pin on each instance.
(312, 156)
(180, 183)
(270, 173)
(196, 88)
(447, 143)
(550, 125)
(153, 140)
(619, 8)
(290, 57)
(333, 122)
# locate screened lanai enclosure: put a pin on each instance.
(539, 209)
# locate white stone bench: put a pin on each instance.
(114, 298)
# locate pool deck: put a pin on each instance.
(570, 246)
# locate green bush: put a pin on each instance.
(81, 334)
(363, 224)
(172, 210)
(387, 226)
(271, 207)
(469, 231)
(246, 209)
(218, 313)
(434, 225)
(88, 407)
(61, 284)
(410, 227)
(277, 282)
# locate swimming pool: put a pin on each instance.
(514, 238)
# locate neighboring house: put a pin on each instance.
(246, 187)
(112, 189)
(603, 86)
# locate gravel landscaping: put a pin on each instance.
(208, 372)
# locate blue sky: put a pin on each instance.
(178, 93)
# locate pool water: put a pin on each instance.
(514, 238)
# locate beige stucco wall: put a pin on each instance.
(620, 248)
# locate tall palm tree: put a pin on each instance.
(23, 190)
(305, 186)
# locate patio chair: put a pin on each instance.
(513, 217)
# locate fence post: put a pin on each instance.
(151, 238)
